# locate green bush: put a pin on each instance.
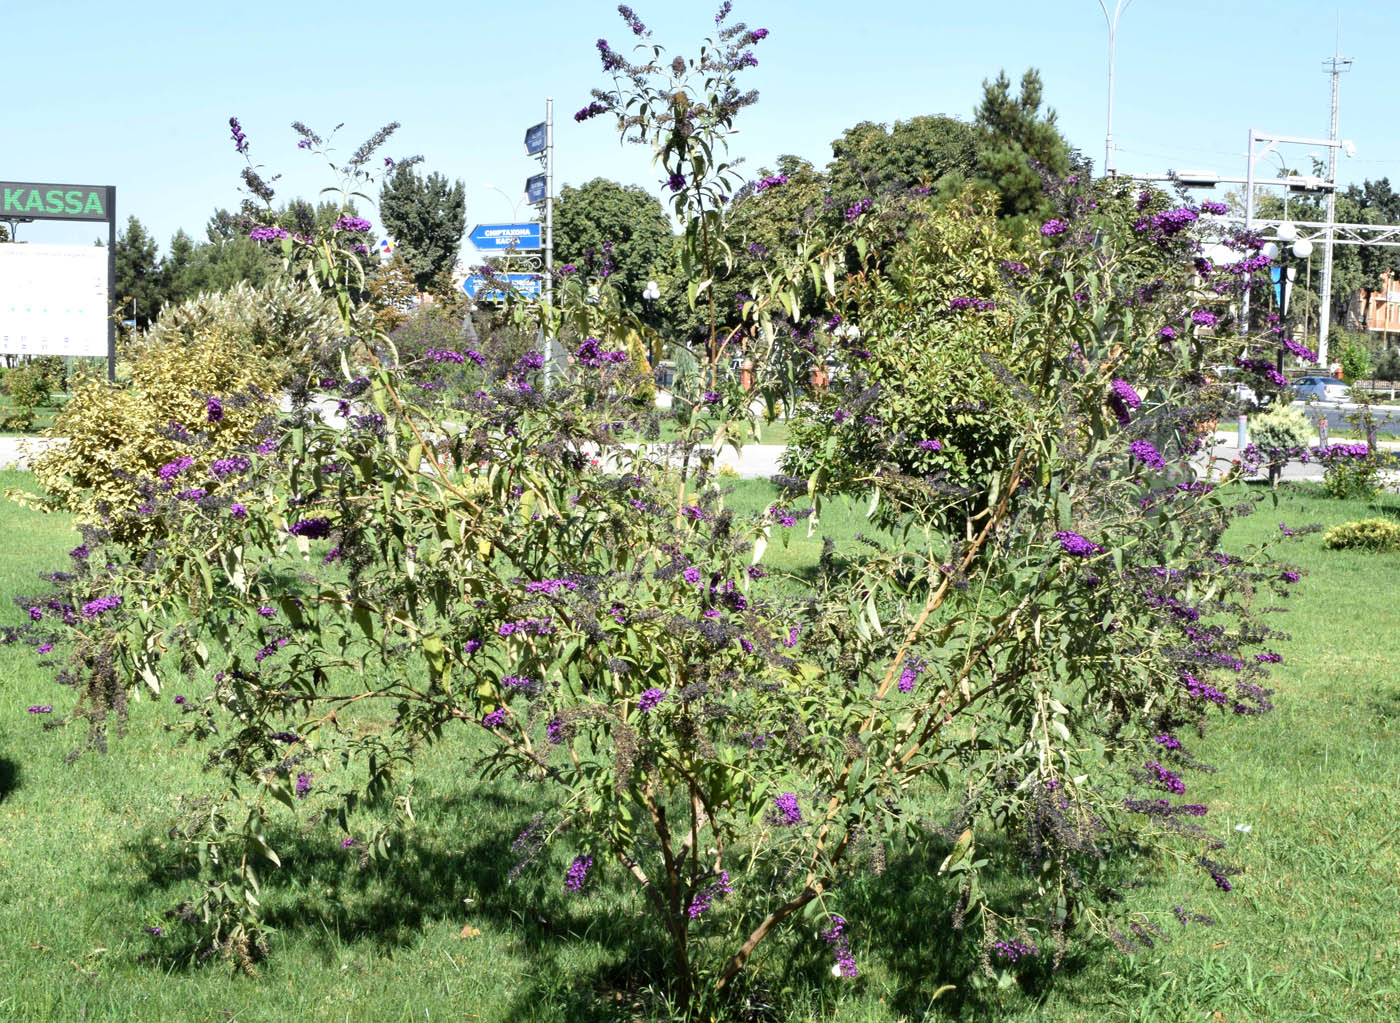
(28, 387)
(1355, 358)
(119, 435)
(1280, 433)
(282, 321)
(1368, 534)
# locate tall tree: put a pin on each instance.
(181, 271)
(426, 218)
(620, 229)
(138, 272)
(927, 151)
(1016, 139)
(1376, 203)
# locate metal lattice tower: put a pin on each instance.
(1335, 66)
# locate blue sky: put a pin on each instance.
(139, 96)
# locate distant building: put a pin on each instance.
(1379, 312)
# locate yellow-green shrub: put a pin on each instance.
(281, 320)
(1368, 534)
(118, 435)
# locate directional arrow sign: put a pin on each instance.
(523, 284)
(506, 236)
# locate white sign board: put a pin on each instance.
(53, 300)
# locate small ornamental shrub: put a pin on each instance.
(1352, 471)
(1367, 534)
(204, 393)
(1280, 434)
(29, 389)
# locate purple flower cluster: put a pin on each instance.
(1168, 223)
(1300, 350)
(228, 466)
(240, 141)
(214, 410)
(649, 699)
(590, 354)
(1074, 544)
(303, 786)
(578, 873)
(1053, 227)
(980, 305)
(783, 516)
(1121, 398)
(443, 355)
(271, 649)
(1201, 691)
(93, 608)
(1335, 451)
(1202, 318)
(550, 587)
(1014, 268)
(352, 224)
(41, 708)
(1011, 951)
(786, 812)
(706, 896)
(1218, 209)
(526, 627)
(170, 470)
(840, 943)
(312, 529)
(855, 211)
(675, 182)
(238, 511)
(495, 719)
(592, 110)
(267, 234)
(633, 22)
(1165, 778)
(193, 494)
(772, 181)
(1147, 454)
(931, 445)
(913, 668)
(1262, 367)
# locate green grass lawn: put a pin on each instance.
(1309, 933)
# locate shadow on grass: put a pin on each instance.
(452, 868)
(9, 777)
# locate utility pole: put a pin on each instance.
(1336, 64)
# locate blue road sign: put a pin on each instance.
(523, 284)
(534, 139)
(535, 188)
(506, 236)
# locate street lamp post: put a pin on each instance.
(1112, 20)
(515, 206)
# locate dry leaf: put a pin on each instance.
(468, 931)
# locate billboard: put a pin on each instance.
(53, 300)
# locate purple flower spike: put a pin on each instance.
(578, 873)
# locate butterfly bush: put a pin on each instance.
(600, 624)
